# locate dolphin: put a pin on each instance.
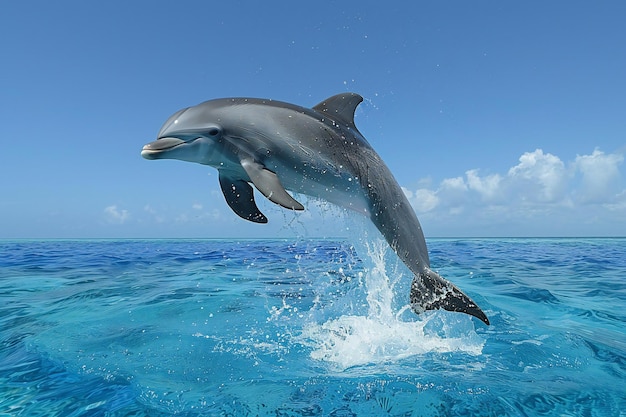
(319, 151)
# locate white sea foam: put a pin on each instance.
(384, 336)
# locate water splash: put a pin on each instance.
(384, 335)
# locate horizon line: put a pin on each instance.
(299, 238)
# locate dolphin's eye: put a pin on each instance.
(213, 132)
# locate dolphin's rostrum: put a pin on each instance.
(278, 146)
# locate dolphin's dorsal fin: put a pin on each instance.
(267, 182)
(340, 107)
(240, 197)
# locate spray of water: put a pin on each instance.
(384, 335)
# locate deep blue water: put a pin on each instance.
(309, 328)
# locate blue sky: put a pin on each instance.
(498, 118)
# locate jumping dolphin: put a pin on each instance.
(278, 146)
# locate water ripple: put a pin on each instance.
(271, 327)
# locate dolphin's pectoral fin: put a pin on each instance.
(430, 291)
(269, 185)
(240, 197)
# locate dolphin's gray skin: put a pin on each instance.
(319, 152)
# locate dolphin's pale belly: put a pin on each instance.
(340, 190)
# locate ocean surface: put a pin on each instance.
(309, 328)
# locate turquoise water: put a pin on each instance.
(309, 328)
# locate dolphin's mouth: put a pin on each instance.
(152, 149)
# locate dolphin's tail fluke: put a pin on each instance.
(430, 291)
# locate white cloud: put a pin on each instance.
(453, 191)
(600, 176)
(539, 177)
(115, 215)
(540, 191)
(196, 206)
(156, 216)
(456, 183)
(619, 205)
(488, 187)
(422, 199)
